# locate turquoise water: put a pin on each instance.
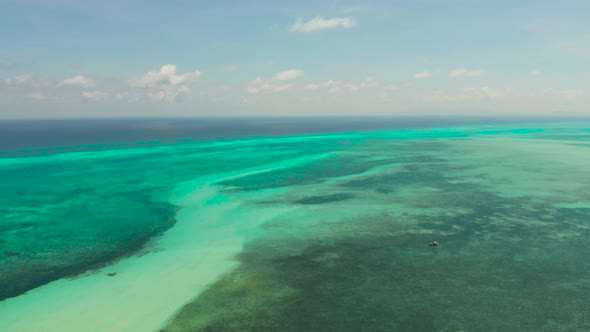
(343, 244)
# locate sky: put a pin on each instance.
(82, 58)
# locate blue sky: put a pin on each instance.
(68, 58)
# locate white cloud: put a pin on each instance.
(164, 77)
(483, 93)
(37, 96)
(26, 83)
(96, 94)
(369, 82)
(320, 23)
(343, 86)
(19, 80)
(165, 84)
(330, 85)
(264, 85)
(169, 94)
(462, 72)
(288, 75)
(230, 68)
(566, 94)
(78, 81)
(339, 87)
(320, 85)
(278, 83)
(43, 96)
(122, 95)
(536, 72)
(423, 74)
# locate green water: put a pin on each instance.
(509, 206)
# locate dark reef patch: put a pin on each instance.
(310, 200)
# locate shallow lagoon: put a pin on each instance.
(300, 233)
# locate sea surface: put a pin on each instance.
(295, 224)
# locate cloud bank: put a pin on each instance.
(280, 82)
(462, 72)
(79, 81)
(165, 84)
(423, 74)
(320, 23)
